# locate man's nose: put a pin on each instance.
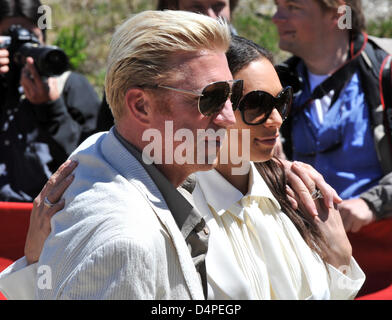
(279, 16)
(225, 117)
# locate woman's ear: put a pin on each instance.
(138, 104)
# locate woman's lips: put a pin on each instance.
(269, 141)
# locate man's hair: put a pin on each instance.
(142, 48)
(173, 5)
(358, 17)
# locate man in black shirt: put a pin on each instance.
(41, 120)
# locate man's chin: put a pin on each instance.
(286, 45)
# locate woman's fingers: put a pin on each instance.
(297, 184)
(58, 190)
(59, 205)
(60, 181)
(313, 179)
(39, 228)
(292, 197)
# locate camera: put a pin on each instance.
(22, 43)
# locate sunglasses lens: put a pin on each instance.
(214, 98)
(236, 93)
(255, 107)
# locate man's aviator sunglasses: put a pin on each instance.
(257, 106)
(213, 97)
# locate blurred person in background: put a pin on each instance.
(338, 123)
(42, 119)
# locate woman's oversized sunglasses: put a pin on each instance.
(257, 106)
(213, 97)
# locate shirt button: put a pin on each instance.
(206, 231)
(5, 126)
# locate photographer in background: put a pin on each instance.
(42, 119)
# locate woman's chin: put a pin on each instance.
(262, 156)
(262, 151)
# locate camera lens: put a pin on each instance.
(56, 61)
(49, 60)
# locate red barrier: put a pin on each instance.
(14, 223)
(385, 294)
(372, 248)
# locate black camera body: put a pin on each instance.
(22, 43)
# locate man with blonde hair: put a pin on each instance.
(126, 232)
(221, 9)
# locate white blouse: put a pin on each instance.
(256, 252)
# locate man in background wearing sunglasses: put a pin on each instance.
(337, 106)
(98, 247)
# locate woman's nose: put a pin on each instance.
(274, 120)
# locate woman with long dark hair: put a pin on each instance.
(259, 246)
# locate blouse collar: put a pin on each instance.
(221, 195)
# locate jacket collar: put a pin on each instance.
(132, 170)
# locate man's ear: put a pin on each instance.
(340, 13)
(138, 103)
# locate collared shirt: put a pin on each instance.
(188, 219)
(319, 107)
(256, 252)
(342, 147)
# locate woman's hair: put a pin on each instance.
(142, 49)
(358, 17)
(241, 53)
(273, 173)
